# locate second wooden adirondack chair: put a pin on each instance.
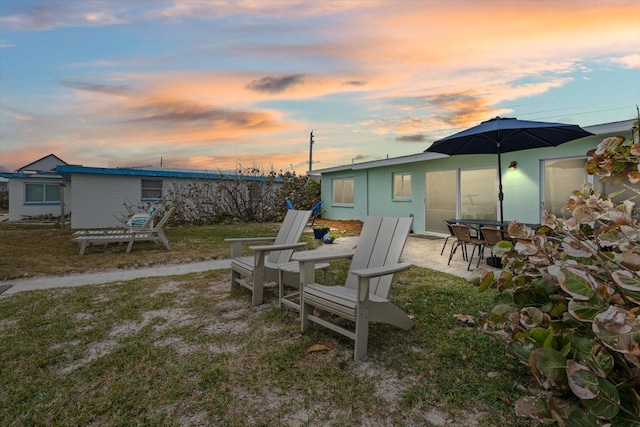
(253, 271)
(129, 236)
(363, 298)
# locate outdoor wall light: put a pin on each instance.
(513, 165)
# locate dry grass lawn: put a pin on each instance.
(186, 351)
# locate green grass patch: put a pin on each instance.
(184, 350)
(48, 250)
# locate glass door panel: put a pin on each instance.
(561, 178)
(607, 189)
(479, 194)
(440, 199)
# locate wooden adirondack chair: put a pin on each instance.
(146, 225)
(156, 234)
(253, 271)
(363, 298)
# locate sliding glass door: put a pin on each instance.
(466, 193)
(440, 199)
(562, 177)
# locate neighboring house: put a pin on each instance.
(47, 164)
(433, 187)
(100, 197)
(4, 195)
(37, 190)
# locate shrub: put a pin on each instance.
(4, 200)
(247, 195)
(303, 191)
(569, 300)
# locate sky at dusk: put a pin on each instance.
(208, 84)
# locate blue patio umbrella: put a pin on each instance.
(503, 135)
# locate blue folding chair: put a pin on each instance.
(290, 205)
(316, 211)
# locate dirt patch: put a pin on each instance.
(340, 225)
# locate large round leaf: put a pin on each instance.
(550, 368)
(619, 330)
(539, 335)
(520, 350)
(584, 311)
(531, 317)
(583, 382)
(592, 355)
(485, 281)
(578, 417)
(629, 283)
(523, 297)
(606, 404)
(501, 311)
(577, 284)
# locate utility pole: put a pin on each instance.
(311, 152)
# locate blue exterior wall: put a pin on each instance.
(521, 187)
(359, 209)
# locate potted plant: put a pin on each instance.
(319, 231)
(330, 237)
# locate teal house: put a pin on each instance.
(434, 187)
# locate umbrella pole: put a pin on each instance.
(500, 193)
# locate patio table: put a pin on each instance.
(477, 224)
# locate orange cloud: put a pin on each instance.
(420, 71)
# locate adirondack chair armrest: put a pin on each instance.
(366, 274)
(282, 247)
(237, 242)
(382, 271)
(249, 239)
(317, 256)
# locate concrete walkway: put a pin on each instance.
(422, 251)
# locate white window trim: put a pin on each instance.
(333, 195)
(393, 184)
(44, 193)
(151, 199)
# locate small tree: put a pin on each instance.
(246, 195)
(569, 300)
(249, 195)
(302, 191)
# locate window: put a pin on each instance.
(401, 186)
(42, 193)
(343, 190)
(151, 189)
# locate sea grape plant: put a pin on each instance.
(569, 299)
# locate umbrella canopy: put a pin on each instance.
(502, 135)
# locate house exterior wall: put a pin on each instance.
(19, 210)
(99, 200)
(521, 187)
(359, 209)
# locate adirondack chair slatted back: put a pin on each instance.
(290, 232)
(164, 219)
(381, 242)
